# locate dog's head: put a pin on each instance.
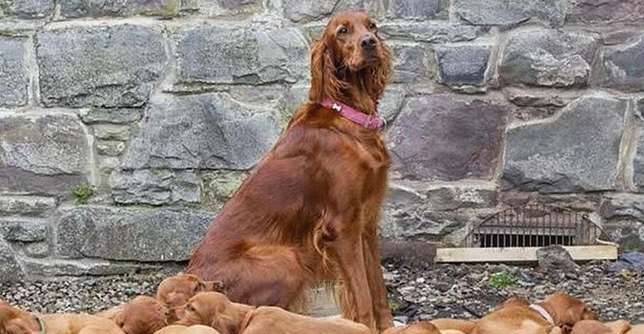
(16, 321)
(177, 290)
(349, 55)
(210, 309)
(567, 310)
(142, 315)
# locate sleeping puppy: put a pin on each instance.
(423, 327)
(216, 310)
(512, 301)
(461, 325)
(596, 327)
(141, 315)
(178, 329)
(559, 312)
(175, 291)
(17, 321)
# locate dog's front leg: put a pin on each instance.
(357, 303)
(384, 319)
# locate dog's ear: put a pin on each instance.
(380, 74)
(324, 79)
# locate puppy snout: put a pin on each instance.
(368, 42)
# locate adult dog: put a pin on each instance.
(309, 211)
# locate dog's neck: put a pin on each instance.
(239, 312)
(356, 94)
(549, 312)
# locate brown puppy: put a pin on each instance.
(16, 321)
(423, 327)
(596, 327)
(216, 310)
(142, 315)
(465, 326)
(177, 290)
(557, 311)
(178, 329)
(512, 301)
(637, 329)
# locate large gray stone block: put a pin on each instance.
(83, 8)
(429, 32)
(607, 12)
(10, 270)
(447, 137)
(210, 54)
(303, 11)
(413, 9)
(14, 77)
(155, 187)
(577, 151)
(27, 9)
(622, 67)
(209, 131)
(23, 230)
(462, 65)
(549, 58)
(155, 235)
(26, 205)
(511, 12)
(42, 154)
(103, 66)
(411, 63)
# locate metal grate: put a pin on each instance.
(535, 225)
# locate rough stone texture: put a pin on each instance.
(104, 66)
(156, 235)
(241, 54)
(511, 12)
(115, 116)
(81, 8)
(622, 66)
(555, 258)
(302, 11)
(26, 205)
(413, 9)
(110, 147)
(578, 151)
(391, 103)
(14, 79)
(23, 230)
(217, 8)
(111, 132)
(446, 137)
(607, 11)
(27, 9)
(48, 268)
(411, 63)
(202, 131)
(623, 206)
(218, 186)
(155, 187)
(429, 32)
(549, 58)
(462, 65)
(638, 162)
(10, 270)
(42, 154)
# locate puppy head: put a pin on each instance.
(142, 315)
(590, 327)
(567, 310)
(210, 309)
(423, 327)
(16, 321)
(177, 290)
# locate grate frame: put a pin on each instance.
(533, 225)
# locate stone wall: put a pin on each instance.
(162, 106)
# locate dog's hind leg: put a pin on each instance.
(267, 275)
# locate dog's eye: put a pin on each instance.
(373, 26)
(343, 30)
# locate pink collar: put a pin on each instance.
(368, 121)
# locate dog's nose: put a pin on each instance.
(368, 42)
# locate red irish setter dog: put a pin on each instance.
(309, 211)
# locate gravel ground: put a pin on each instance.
(415, 293)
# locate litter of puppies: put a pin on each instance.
(185, 304)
